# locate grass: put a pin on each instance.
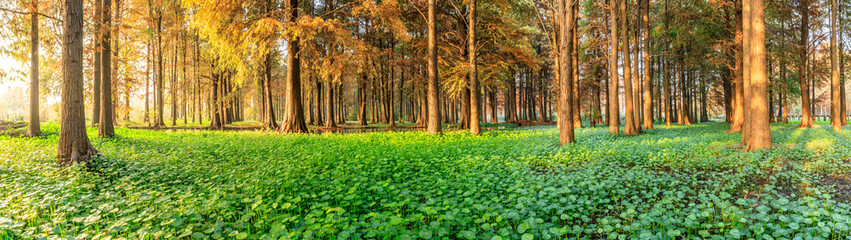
(678, 182)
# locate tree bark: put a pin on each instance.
(614, 106)
(806, 114)
(738, 97)
(268, 111)
(98, 28)
(629, 117)
(434, 118)
(107, 111)
(73, 146)
(566, 21)
(648, 97)
(34, 127)
(574, 73)
(294, 112)
(835, 105)
(760, 131)
(475, 122)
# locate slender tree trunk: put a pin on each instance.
(636, 82)
(160, 103)
(98, 20)
(614, 106)
(806, 114)
(566, 20)
(760, 136)
(34, 127)
(268, 110)
(574, 73)
(74, 146)
(475, 122)
(329, 106)
(629, 117)
(835, 105)
(648, 96)
(738, 97)
(362, 99)
(747, 20)
(148, 63)
(434, 126)
(105, 127)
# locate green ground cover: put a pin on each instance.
(670, 183)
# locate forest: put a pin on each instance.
(424, 119)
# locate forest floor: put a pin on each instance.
(671, 182)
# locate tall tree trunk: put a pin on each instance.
(434, 126)
(574, 73)
(74, 146)
(97, 62)
(629, 117)
(747, 21)
(159, 99)
(806, 114)
(760, 136)
(34, 127)
(294, 113)
(475, 122)
(614, 106)
(648, 92)
(268, 110)
(835, 86)
(636, 72)
(362, 99)
(329, 106)
(566, 21)
(148, 63)
(105, 127)
(738, 97)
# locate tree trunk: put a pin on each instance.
(475, 122)
(98, 29)
(806, 114)
(159, 99)
(614, 106)
(34, 127)
(294, 112)
(648, 96)
(629, 117)
(434, 126)
(268, 111)
(574, 73)
(74, 146)
(565, 41)
(362, 99)
(105, 126)
(329, 106)
(835, 86)
(760, 136)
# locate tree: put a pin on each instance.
(629, 117)
(475, 123)
(34, 127)
(566, 21)
(806, 114)
(836, 113)
(648, 97)
(74, 146)
(293, 112)
(433, 126)
(614, 108)
(96, 88)
(760, 132)
(105, 125)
